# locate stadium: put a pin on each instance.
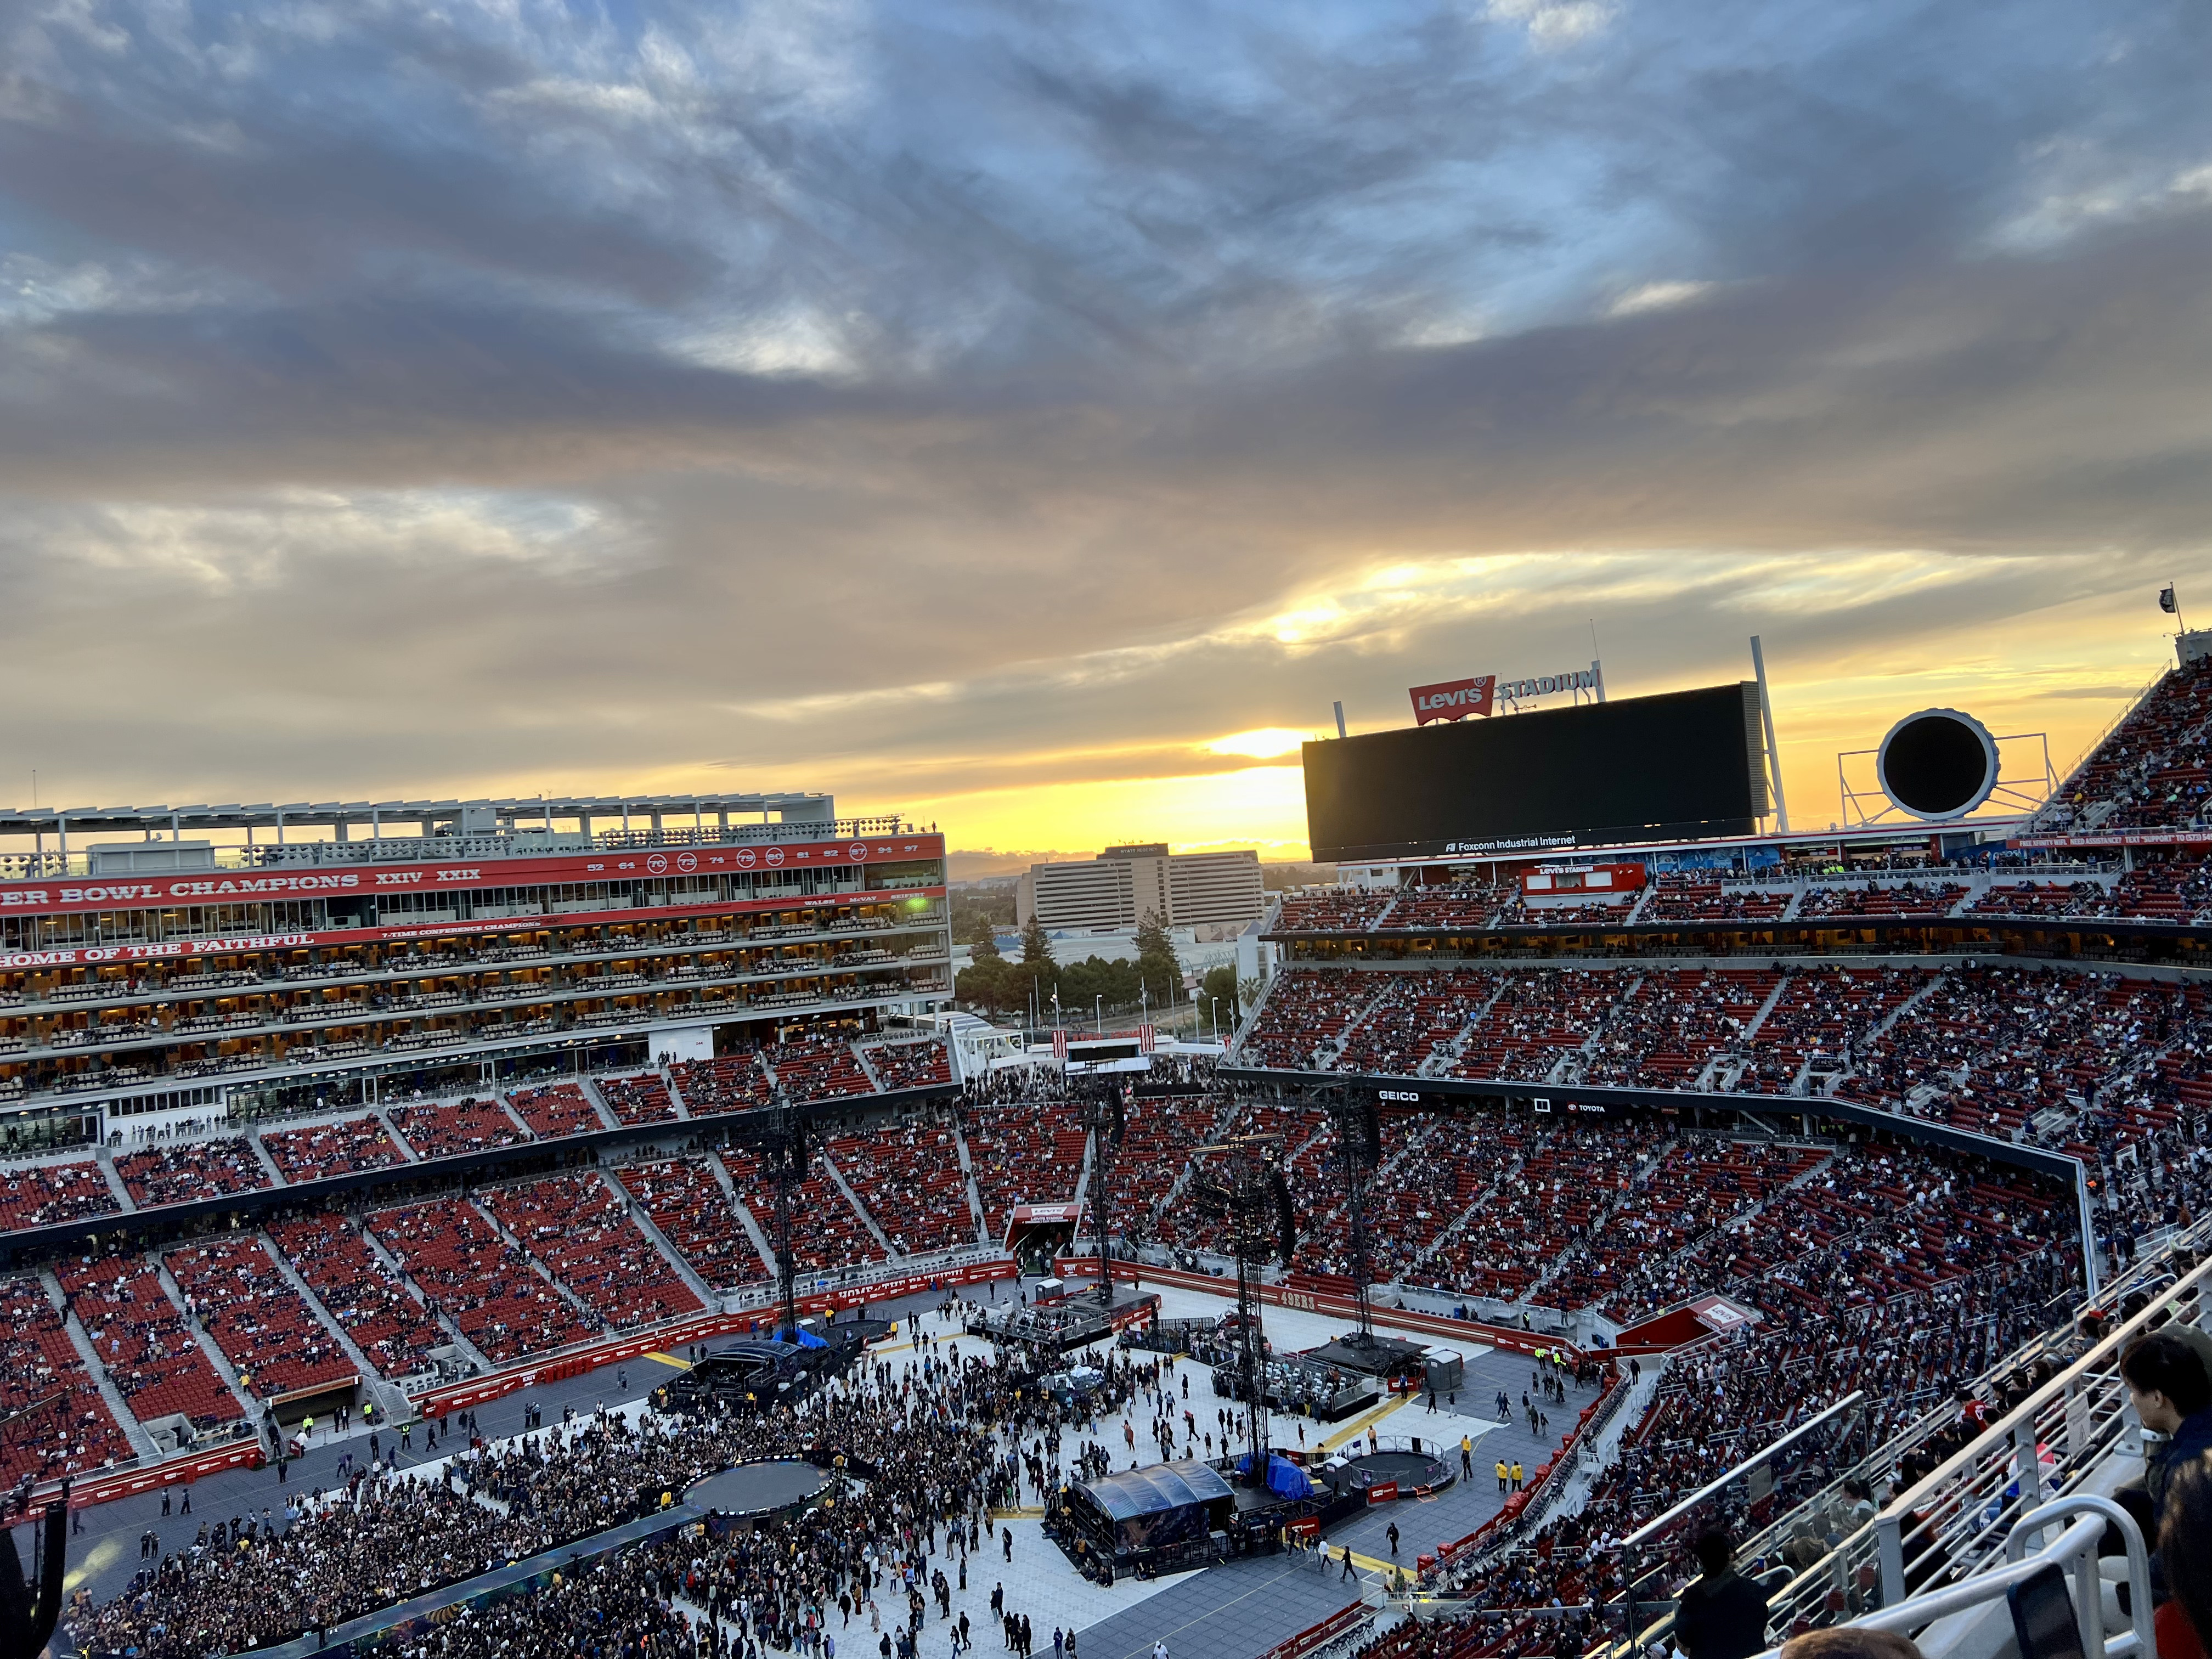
(398, 1180)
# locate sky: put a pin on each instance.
(1032, 417)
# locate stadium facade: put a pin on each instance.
(151, 972)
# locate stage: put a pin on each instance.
(1071, 1322)
(754, 1491)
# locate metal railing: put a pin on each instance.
(1956, 1523)
(2056, 1343)
(2075, 1551)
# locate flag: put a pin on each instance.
(1059, 1044)
(2166, 601)
(1144, 1039)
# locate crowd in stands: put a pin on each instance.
(184, 1171)
(1305, 1015)
(1416, 1015)
(449, 1130)
(1699, 1185)
(272, 1338)
(640, 1099)
(466, 1272)
(141, 1340)
(56, 1423)
(558, 1109)
(909, 1179)
(1824, 1015)
(826, 1235)
(734, 1083)
(2018, 1051)
(2172, 886)
(1908, 901)
(1698, 895)
(1023, 1154)
(1158, 1136)
(1676, 1021)
(1928, 1283)
(1181, 1226)
(47, 1195)
(696, 1216)
(1459, 904)
(331, 1149)
(581, 1230)
(910, 1064)
(2151, 772)
(1345, 911)
(393, 1330)
(1561, 1183)
(818, 1068)
(1535, 1021)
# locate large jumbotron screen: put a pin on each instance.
(1668, 768)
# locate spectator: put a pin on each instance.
(2172, 1396)
(1850, 1642)
(1721, 1615)
(2184, 1547)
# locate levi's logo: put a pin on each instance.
(1451, 700)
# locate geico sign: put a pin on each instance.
(1399, 1094)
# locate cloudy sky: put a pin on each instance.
(1033, 416)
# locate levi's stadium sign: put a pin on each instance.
(1452, 700)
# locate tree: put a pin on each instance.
(977, 907)
(986, 948)
(993, 984)
(1247, 994)
(1038, 970)
(1219, 984)
(1157, 966)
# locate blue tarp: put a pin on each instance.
(1284, 1478)
(808, 1340)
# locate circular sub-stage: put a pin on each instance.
(1413, 1472)
(754, 1492)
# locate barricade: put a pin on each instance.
(576, 1362)
(1304, 1301)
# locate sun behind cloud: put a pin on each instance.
(1267, 743)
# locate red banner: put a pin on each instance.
(1452, 700)
(1383, 1492)
(75, 894)
(229, 944)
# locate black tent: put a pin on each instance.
(1155, 1516)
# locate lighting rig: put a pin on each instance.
(1249, 1194)
(780, 1135)
(1105, 1115)
(1359, 1145)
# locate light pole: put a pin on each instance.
(1217, 1017)
(1098, 1015)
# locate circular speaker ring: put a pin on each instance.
(1937, 764)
